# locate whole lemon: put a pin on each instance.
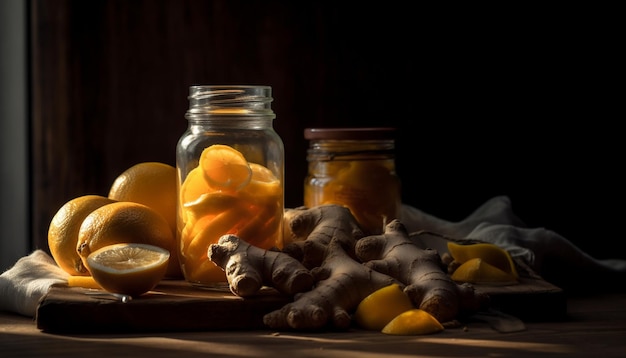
(153, 184)
(149, 183)
(64, 228)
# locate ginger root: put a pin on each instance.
(248, 268)
(329, 267)
(341, 284)
(311, 230)
(422, 271)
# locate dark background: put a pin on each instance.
(489, 99)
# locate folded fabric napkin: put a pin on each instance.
(544, 252)
(24, 284)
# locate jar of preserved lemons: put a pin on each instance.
(354, 167)
(230, 164)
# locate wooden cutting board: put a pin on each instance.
(178, 306)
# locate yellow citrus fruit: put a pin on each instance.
(149, 183)
(226, 194)
(225, 167)
(63, 231)
(128, 268)
(126, 222)
(479, 271)
(263, 183)
(194, 186)
(381, 306)
(223, 223)
(413, 322)
(191, 189)
(209, 204)
(491, 253)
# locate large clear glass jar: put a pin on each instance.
(354, 167)
(230, 164)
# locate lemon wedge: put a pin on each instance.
(381, 306)
(413, 322)
(479, 271)
(128, 268)
(490, 253)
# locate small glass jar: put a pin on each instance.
(354, 167)
(230, 164)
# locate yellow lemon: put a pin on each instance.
(413, 322)
(128, 268)
(225, 167)
(126, 222)
(149, 183)
(226, 194)
(209, 204)
(381, 306)
(490, 253)
(263, 183)
(64, 228)
(194, 186)
(479, 271)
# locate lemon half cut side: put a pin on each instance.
(128, 268)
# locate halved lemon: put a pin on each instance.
(413, 322)
(128, 268)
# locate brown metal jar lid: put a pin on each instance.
(367, 133)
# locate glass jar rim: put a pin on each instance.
(357, 133)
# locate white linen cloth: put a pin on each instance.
(24, 284)
(545, 252)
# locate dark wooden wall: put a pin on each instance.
(490, 101)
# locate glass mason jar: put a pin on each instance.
(354, 167)
(230, 164)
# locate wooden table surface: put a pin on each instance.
(594, 326)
